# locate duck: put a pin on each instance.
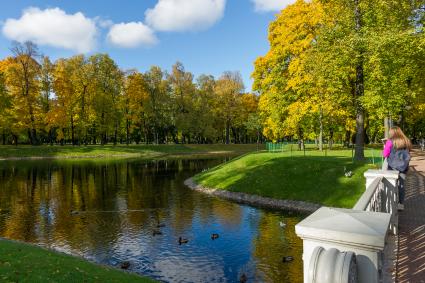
(160, 225)
(183, 241)
(348, 174)
(74, 212)
(282, 224)
(243, 278)
(287, 258)
(125, 265)
(156, 232)
(214, 236)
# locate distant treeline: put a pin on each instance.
(90, 100)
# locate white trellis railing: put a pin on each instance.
(347, 245)
(381, 196)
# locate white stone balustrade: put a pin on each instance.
(384, 195)
(362, 230)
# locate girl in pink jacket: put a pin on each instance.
(398, 140)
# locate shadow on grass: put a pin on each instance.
(314, 179)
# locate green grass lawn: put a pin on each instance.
(21, 262)
(143, 151)
(314, 178)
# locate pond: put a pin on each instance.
(136, 210)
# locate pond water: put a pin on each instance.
(107, 212)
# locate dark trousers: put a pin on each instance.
(401, 188)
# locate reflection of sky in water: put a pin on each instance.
(199, 268)
(200, 260)
(120, 206)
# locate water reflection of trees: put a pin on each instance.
(100, 209)
(39, 198)
(272, 244)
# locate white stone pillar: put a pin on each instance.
(361, 232)
(390, 175)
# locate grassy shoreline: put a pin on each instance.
(121, 151)
(314, 178)
(22, 262)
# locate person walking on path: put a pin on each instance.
(396, 151)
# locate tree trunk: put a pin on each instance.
(331, 138)
(72, 131)
(359, 91)
(386, 127)
(321, 129)
(300, 139)
(235, 135)
(29, 136)
(116, 133)
(227, 132)
(127, 131)
(15, 140)
(347, 138)
(51, 136)
(360, 115)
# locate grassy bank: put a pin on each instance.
(314, 178)
(110, 151)
(21, 262)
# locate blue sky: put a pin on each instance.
(207, 36)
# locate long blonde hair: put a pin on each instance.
(399, 139)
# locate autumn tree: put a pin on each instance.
(63, 114)
(83, 78)
(340, 65)
(182, 95)
(5, 101)
(228, 89)
(135, 103)
(281, 75)
(46, 89)
(22, 80)
(108, 82)
(205, 105)
(370, 31)
(158, 108)
(248, 123)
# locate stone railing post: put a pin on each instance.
(390, 175)
(361, 232)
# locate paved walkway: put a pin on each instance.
(411, 254)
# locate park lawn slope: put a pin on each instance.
(20, 262)
(317, 179)
(110, 151)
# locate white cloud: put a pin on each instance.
(271, 5)
(53, 27)
(131, 35)
(183, 15)
(103, 23)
